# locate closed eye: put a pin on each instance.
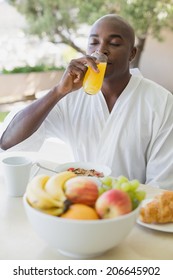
(93, 43)
(115, 44)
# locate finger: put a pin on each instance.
(91, 61)
(77, 73)
(84, 62)
(78, 64)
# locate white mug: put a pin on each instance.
(16, 171)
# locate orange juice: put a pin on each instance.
(92, 82)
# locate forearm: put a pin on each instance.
(28, 120)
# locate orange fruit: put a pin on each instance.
(80, 212)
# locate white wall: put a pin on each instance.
(157, 60)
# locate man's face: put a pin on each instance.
(112, 38)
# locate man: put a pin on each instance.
(128, 125)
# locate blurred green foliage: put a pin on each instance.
(3, 115)
(28, 69)
(60, 20)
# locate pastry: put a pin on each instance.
(159, 210)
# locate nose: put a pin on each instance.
(103, 49)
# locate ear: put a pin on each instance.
(133, 53)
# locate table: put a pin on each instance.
(18, 240)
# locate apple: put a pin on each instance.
(113, 203)
(82, 189)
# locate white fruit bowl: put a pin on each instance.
(81, 239)
(85, 165)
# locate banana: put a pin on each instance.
(47, 193)
(37, 195)
(54, 211)
(55, 185)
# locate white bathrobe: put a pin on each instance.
(135, 139)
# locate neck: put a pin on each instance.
(113, 89)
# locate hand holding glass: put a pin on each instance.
(93, 81)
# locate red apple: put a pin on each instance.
(82, 190)
(113, 203)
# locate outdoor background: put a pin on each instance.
(50, 33)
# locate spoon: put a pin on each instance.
(46, 168)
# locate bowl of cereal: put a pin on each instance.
(85, 169)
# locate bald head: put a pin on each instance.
(116, 20)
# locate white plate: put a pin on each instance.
(160, 227)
